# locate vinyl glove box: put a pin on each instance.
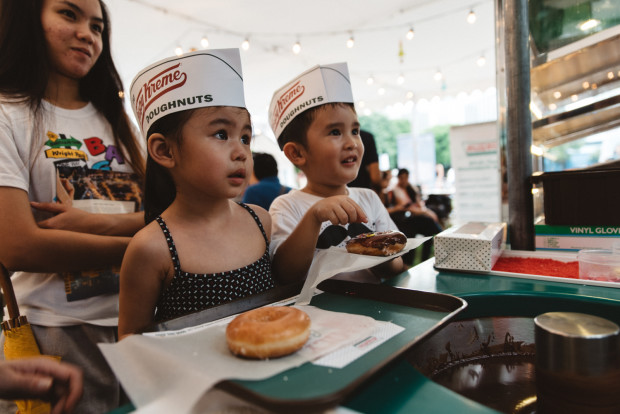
(473, 246)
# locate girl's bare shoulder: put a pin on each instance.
(262, 214)
(149, 241)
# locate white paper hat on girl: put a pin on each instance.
(317, 86)
(195, 80)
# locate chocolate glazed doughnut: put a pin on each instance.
(384, 243)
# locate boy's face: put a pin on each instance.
(334, 148)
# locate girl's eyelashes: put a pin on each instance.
(355, 131)
(334, 132)
(221, 135)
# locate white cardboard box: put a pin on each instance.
(473, 246)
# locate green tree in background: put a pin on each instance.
(442, 144)
(385, 131)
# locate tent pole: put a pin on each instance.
(513, 27)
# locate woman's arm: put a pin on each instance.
(25, 246)
(74, 219)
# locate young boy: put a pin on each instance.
(316, 126)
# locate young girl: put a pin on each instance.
(63, 135)
(199, 159)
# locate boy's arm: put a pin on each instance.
(294, 256)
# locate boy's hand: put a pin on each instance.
(339, 210)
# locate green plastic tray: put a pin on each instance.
(311, 387)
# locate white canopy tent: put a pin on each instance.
(403, 69)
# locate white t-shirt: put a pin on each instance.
(78, 142)
(288, 209)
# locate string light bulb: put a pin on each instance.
(297, 47)
(481, 61)
(204, 42)
(401, 79)
(246, 44)
(178, 51)
(370, 80)
(410, 34)
(350, 42)
(438, 75)
(471, 17)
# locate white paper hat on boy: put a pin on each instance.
(195, 80)
(317, 86)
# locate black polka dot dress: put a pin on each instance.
(193, 292)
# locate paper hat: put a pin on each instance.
(317, 86)
(195, 80)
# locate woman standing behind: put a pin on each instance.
(64, 136)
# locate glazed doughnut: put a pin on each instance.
(268, 332)
(384, 243)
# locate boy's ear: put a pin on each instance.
(295, 152)
(160, 151)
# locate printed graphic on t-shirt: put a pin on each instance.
(98, 191)
(336, 235)
(85, 179)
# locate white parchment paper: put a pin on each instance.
(330, 262)
(164, 374)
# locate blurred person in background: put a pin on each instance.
(410, 214)
(369, 175)
(267, 184)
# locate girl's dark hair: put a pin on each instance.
(159, 188)
(297, 129)
(25, 69)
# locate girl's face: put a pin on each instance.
(214, 155)
(73, 30)
(334, 148)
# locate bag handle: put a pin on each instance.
(9, 297)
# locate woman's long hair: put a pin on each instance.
(25, 69)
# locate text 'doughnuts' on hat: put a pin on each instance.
(317, 86)
(195, 80)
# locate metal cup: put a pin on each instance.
(577, 363)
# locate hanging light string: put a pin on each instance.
(407, 28)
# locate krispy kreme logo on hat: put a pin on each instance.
(287, 98)
(195, 80)
(317, 86)
(165, 81)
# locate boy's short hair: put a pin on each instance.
(297, 129)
